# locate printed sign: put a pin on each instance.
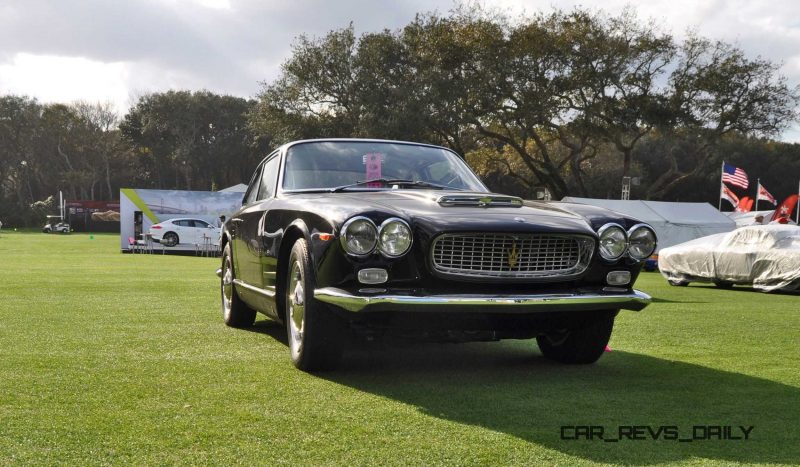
(373, 163)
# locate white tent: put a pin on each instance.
(238, 188)
(749, 218)
(674, 223)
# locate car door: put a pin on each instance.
(179, 226)
(187, 232)
(200, 231)
(236, 227)
(249, 227)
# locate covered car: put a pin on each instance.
(764, 256)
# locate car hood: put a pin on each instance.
(421, 208)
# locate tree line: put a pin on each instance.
(570, 101)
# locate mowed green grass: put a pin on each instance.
(108, 358)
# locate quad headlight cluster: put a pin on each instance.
(360, 237)
(639, 242)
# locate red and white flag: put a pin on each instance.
(784, 211)
(764, 195)
(729, 196)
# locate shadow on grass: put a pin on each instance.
(662, 300)
(511, 389)
(745, 289)
(270, 328)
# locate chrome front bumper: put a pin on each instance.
(575, 301)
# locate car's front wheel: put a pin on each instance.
(235, 312)
(677, 282)
(581, 345)
(315, 336)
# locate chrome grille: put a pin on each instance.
(520, 256)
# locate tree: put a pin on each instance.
(715, 91)
(548, 93)
(191, 140)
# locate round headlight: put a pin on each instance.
(394, 237)
(613, 241)
(641, 242)
(359, 236)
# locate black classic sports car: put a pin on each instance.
(341, 238)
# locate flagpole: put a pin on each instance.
(797, 208)
(721, 171)
(758, 191)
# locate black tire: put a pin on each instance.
(677, 283)
(235, 313)
(315, 336)
(170, 239)
(580, 345)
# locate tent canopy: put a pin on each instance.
(238, 188)
(674, 223)
(749, 218)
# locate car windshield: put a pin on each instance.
(329, 165)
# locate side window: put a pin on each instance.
(269, 178)
(252, 190)
(183, 223)
(200, 224)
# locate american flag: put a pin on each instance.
(765, 195)
(734, 175)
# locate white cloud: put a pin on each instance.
(101, 50)
(64, 79)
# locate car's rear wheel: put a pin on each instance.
(581, 345)
(170, 239)
(235, 312)
(315, 336)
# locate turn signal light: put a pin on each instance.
(618, 278)
(373, 276)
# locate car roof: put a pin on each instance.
(360, 140)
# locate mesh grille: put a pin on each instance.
(512, 256)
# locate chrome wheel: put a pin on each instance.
(226, 284)
(170, 239)
(296, 299)
(235, 312)
(314, 334)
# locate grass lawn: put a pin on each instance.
(123, 359)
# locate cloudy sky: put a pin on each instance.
(109, 50)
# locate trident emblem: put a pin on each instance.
(513, 255)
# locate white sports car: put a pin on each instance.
(184, 230)
(764, 256)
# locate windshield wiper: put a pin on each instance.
(393, 181)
